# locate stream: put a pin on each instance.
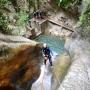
(57, 46)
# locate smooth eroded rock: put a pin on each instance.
(19, 62)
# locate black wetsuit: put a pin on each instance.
(47, 52)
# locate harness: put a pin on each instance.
(46, 57)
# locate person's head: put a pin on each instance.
(44, 45)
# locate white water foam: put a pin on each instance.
(44, 80)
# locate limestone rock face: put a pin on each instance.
(78, 76)
(61, 66)
(19, 62)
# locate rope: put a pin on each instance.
(42, 82)
(41, 86)
(57, 77)
(36, 87)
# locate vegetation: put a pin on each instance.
(63, 3)
(84, 20)
(21, 18)
(83, 7)
(66, 3)
(34, 3)
(3, 3)
(3, 20)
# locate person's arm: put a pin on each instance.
(51, 52)
(43, 52)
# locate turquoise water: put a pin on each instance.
(55, 43)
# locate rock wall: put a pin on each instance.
(83, 25)
(19, 62)
(37, 27)
(78, 76)
(78, 47)
(60, 69)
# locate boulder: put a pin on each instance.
(19, 62)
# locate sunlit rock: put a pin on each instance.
(19, 62)
(78, 76)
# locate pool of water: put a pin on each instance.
(55, 43)
(57, 46)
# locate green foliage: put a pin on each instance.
(3, 2)
(34, 4)
(3, 18)
(3, 22)
(63, 3)
(85, 19)
(21, 18)
(31, 2)
(67, 3)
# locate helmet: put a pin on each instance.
(44, 45)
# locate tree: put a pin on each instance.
(34, 3)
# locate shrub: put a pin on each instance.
(84, 19)
(21, 18)
(3, 22)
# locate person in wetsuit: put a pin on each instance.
(47, 54)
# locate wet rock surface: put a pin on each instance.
(78, 76)
(60, 68)
(19, 66)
